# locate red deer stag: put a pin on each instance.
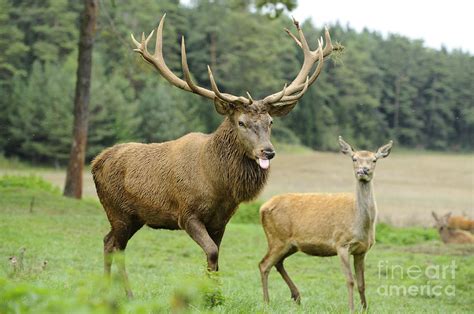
(196, 182)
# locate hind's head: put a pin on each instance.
(364, 161)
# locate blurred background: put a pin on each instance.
(384, 86)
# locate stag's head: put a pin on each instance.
(251, 119)
(364, 161)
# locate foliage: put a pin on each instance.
(381, 87)
(31, 182)
(248, 213)
(34, 194)
(387, 234)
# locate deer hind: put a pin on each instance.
(324, 225)
(450, 228)
(173, 185)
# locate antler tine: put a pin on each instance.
(187, 75)
(329, 47)
(136, 43)
(275, 97)
(292, 98)
(226, 97)
(303, 43)
(159, 38)
(293, 36)
(250, 97)
(316, 73)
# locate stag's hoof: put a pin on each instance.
(296, 298)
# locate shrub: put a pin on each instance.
(387, 234)
(248, 213)
(31, 182)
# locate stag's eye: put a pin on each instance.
(374, 160)
(241, 124)
(271, 122)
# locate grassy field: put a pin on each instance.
(166, 268)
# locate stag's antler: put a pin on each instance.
(187, 84)
(289, 95)
(303, 79)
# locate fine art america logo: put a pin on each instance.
(432, 280)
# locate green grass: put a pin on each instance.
(167, 269)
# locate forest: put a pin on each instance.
(379, 88)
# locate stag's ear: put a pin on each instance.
(384, 151)
(435, 216)
(222, 107)
(346, 149)
(280, 110)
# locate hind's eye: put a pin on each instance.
(374, 161)
(271, 122)
(241, 124)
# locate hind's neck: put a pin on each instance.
(366, 208)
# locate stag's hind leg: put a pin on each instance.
(116, 242)
(108, 250)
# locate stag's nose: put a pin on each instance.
(363, 171)
(269, 153)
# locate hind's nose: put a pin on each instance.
(363, 171)
(268, 153)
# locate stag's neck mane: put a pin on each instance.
(237, 175)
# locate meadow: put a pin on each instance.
(409, 270)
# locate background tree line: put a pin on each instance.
(381, 87)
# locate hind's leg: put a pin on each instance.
(295, 294)
(275, 253)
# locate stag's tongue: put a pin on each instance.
(264, 163)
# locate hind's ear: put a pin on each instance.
(435, 216)
(346, 149)
(222, 107)
(384, 151)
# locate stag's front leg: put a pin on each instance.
(198, 233)
(216, 236)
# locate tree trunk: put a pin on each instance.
(73, 186)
